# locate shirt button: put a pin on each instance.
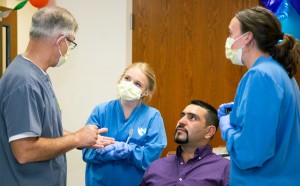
(180, 179)
(181, 163)
(199, 158)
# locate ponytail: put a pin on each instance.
(287, 53)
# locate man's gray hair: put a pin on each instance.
(52, 22)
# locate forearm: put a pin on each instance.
(40, 149)
(67, 132)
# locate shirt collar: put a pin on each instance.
(262, 59)
(33, 64)
(38, 70)
(199, 153)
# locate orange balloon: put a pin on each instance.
(39, 3)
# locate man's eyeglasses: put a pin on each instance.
(72, 43)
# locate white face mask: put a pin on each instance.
(62, 59)
(128, 91)
(234, 55)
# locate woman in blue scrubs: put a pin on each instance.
(262, 130)
(137, 128)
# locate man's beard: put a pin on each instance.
(181, 141)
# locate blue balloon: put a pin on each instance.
(289, 24)
(288, 13)
(282, 11)
(272, 5)
(296, 5)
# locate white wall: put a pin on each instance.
(24, 22)
(94, 67)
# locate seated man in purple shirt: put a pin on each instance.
(194, 163)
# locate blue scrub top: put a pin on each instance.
(147, 143)
(264, 144)
(28, 107)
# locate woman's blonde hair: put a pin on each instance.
(148, 72)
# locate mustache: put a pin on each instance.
(179, 140)
(181, 126)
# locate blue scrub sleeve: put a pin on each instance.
(143, 156)
(25, 118)
(256, 113)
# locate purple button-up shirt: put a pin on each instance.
(205, 169)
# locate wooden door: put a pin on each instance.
(184, 42)
(8, 25)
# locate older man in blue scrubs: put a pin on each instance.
(32, 141)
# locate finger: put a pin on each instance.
(229, 105)
(97, 146)
(108, 147)
(102, 130)
(119, 151)
(107, 141)
(92, 125)
(221, 109)
(223, 106)
(226, 105)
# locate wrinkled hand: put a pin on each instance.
(86, 136)
(103, 141)
(222, 109)
(116, 151)
(224, 126)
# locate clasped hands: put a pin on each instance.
(117, 151)
(224, 118)
(90, 137)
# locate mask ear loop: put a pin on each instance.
(144, 94)
(60, 38)
(241, 36)
(250, 39)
